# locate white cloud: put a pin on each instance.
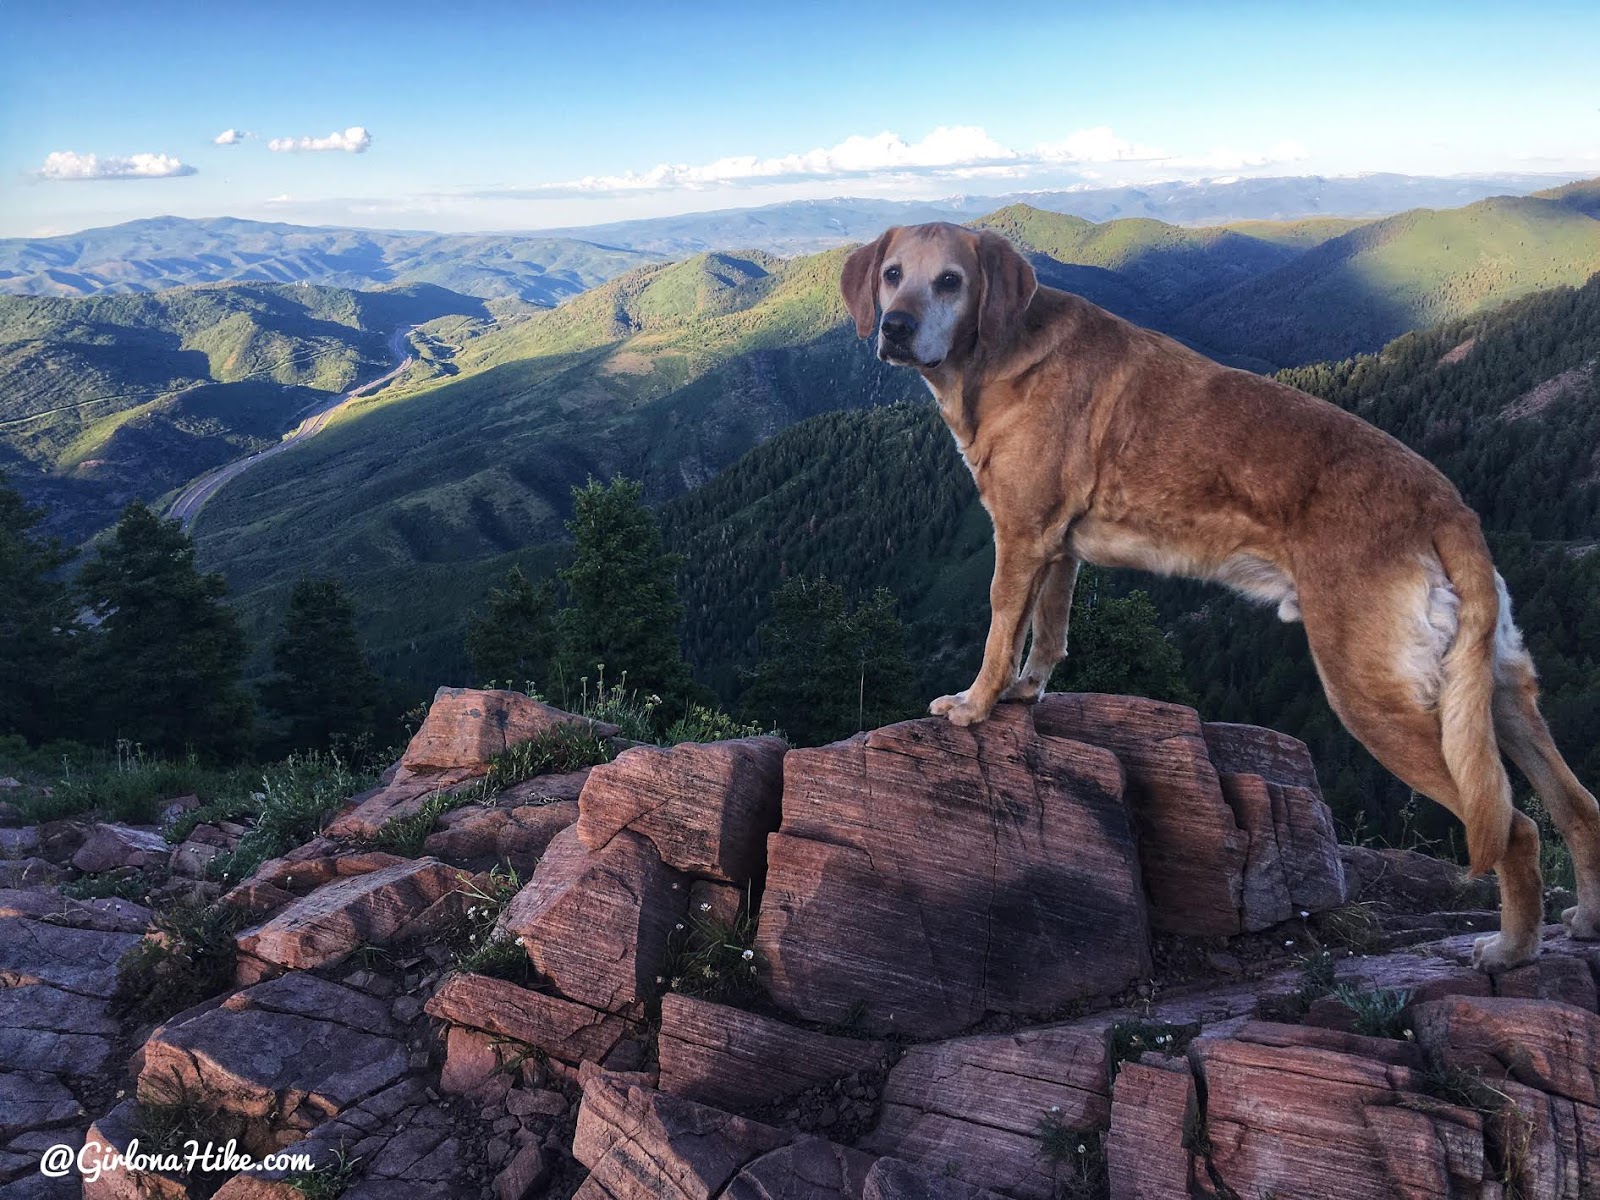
(959, 152)
(354, 140)
(67, 164)
(231, 137)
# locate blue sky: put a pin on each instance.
(508, 116)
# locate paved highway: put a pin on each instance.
(197, 493)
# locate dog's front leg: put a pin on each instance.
(1052, 612)
(1018, 573)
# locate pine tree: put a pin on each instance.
(515, 640)
(623, 609)
(167, 653)
(36, 624)
(827, 671)
(324, 689)
(1117, 645)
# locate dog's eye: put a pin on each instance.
(948, 282)
(891, 275)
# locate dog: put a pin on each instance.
(1093, 440)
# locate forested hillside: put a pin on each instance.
(113, 397)
(1508, 405)
(1405, 272)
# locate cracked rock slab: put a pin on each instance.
(561, 1028)
(640, 1144)
(936, 873)
(74, 960)
(739, 1060)
(297, 1048)
(328, 924)
(1293, 1110)
(33, 1100)
(706, 807)
(596, 923)
(978, 1102)
(45, 1029)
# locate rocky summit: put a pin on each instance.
(1093, 947)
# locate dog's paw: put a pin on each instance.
(1500, 952)
(1025, 689)
(945, 703)
(969, 712)
(1581, 926)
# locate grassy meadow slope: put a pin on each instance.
(115, 396)
(165, 252)
(1355, 292)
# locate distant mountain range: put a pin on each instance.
(807, 226)
(166, 252)
(550, 266)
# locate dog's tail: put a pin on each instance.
(1466, 700)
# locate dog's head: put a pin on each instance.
(946, 293)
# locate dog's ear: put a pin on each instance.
(859, 282)
(1008, 287)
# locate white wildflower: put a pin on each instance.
(1288, 941)
(705, 907)
(749, 954)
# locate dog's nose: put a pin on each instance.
(898, 326)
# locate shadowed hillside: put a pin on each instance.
(111, 397)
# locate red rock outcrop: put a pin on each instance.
(979, 1103)
(933, 874)
(596, 923)
(738, 1060)
(707, 808)
(571, 1032)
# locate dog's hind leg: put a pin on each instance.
(1526, 740)
(1052, 612)
(1386, 655)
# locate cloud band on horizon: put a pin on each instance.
(960, 152)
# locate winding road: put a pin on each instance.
(197, 493)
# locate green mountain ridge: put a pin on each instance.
(1404, 272)
(668, 374)
(112, 397)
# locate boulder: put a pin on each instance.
(596, 923)
(1541, 1044)
(108, 914)
(1155, 1120)
(1233, 834)
(739, 1060)
(108, 847)
(29, 872)
(980, 1101)
(465, 728)
(707, 808)
(1315, 1113)
(115, 1131)
(937, 873)
(641, 1144)
(525, 1175)
(328, 924)
(192, 857)
(475, 1065)
(297, 1048)
(809, 1168)
(74, 960)
(480, 836)
(560, 1028)
(1411, 880)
